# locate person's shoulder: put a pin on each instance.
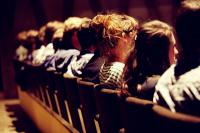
(73, 51)
(167, 74)
(191, 76)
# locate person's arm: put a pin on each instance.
(162, 94)
(150, 83)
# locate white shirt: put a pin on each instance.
(179, 94)
(77, 65)
(40, 55)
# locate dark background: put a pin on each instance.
(17, 15)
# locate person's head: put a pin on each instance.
(154, 45)
(70, 39)
(41, 34)
(85, 36)
(96, 29)
(119, 32)
(58, 39)
(50, 29)
(29, 39)
(21, 38)
(33, 39)
(188, 26)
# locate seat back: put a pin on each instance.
(43, 85)
(21, 74)
(167, 121)
(87, 100)
(137, 115)
(73, 100)
(108, 108)
(49, 77)
(17, 67)
(61, 94)
(33, 80)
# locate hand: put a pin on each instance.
(123, 93)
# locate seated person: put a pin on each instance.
(119, 34)
(21, 52)
(34, 43)
(86, 41)
(66, 45)
(46, 33)
(29, 42)
(179, 87)
(154, 45)
(91, 71)
(37, 54)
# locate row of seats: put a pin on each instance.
(92, 108)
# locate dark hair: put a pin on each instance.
(188, 25)
(188, 28)
(51, 27)
(67, 39)
(152, 45)
(72, 25)
(58, 39)
(32, 40)
(86, 35)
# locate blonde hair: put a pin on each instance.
(50, 29)
(21, 36)
(58, 34)
(33, 39)
(54, 25)
(98, 20)
(192, 5)
(32, 33)
(97, 25)
(74, 23)
(118, 26)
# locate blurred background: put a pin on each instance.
(18, 15)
